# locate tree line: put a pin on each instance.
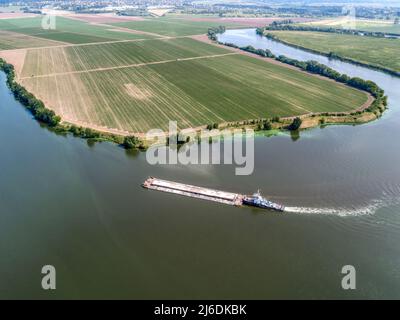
(212, 32)
(34, 105)
(261, 52)
(47, 116)
(276, 26)
(321, 69)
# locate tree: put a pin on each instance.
(131, 142)
(295, 125)
(267, 125)
(276, 119)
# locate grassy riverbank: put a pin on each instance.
(378, 53)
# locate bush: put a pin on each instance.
(132, 142)
(212, 32)
(295, 125)
(91, 134)
(276, 119)
(263, 53)
(267, 125)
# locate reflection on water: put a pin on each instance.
(82, 209)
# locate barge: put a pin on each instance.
(236, 199)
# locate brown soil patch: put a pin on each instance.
(103, 129)
(137, 93)
(312, 122)
(159, 12)
(367, 103)
(15, 57)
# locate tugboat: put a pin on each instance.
(256, 200)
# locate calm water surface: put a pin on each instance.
(81, 209)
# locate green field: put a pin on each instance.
(195, 92)
(379, 52)
(12, 40)
(378, 27)
(173, 26)
(67, 30)
(386, 26)
(76, 58)
(135, 82)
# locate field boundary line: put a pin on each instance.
(66, 44)
(18, 34)
(125, 29)
(135, 65)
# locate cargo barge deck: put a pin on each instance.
(234, 199)
(230, 198)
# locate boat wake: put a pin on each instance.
(345, 211)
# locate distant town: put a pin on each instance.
(229, 8)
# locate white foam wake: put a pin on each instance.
(342, 212)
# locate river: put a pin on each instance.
(81, 208)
